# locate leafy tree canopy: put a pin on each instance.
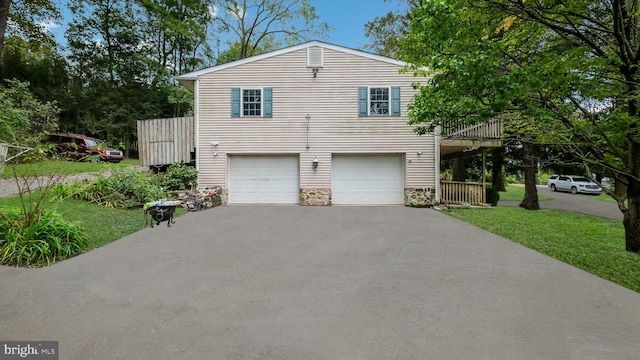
(266, 25)
(566, 71)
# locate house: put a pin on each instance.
(312, 124)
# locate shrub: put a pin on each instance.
(493, 195)
(39, 153)
(38, 239)
(124, 188)
(180, 176)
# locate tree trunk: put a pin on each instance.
(530, 200)
(459, 169)
(497, 175)
(631, 218)
(4, 17)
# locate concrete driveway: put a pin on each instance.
(289, 282)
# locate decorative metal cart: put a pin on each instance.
(159, 211)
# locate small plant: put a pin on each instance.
(180, 176)
(493, 196)
(38, 239)
(39, 153)
(124, 188)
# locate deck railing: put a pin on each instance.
(459, 193)
(491, 129)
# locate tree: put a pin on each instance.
(23, 118)
(38, 64)
(111, 67)
(26, 17)
(570, 68)
(177, 32)
(497, 171)
(264, 25)
(385, 32)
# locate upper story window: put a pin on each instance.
(379, 101)
(252, 102)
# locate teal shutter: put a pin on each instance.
(235, 102)
(395, 101)
(362, 101)
(267, 102)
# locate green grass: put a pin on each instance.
(602, 197)
(516, 193)
(590, 243)
(61, 167)
(101, 224)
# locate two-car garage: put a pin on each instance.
(355, 179)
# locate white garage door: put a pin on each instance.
(367, 179)
(263, 179)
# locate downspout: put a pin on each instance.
(437, 167)
(484, 176)
(196, 118)
(308, 117)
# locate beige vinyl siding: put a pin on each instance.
(330, 99)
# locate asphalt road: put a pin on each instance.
(583, 204)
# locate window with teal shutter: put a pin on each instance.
(363, 92)
(268, 102)
(252, 102)
(379, 101)
(235, 102)
(395, 101)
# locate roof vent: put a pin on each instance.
(314, 57)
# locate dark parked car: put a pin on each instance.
(83, 146)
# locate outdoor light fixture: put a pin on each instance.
(315, 162)
(315, 72)
(214, 143)
(419, 153)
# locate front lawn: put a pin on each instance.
(33, 227)
(516, 193)
(590, 243)
(101, 224)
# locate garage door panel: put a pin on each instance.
(367, 179)
(264, 179)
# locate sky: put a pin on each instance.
(348, 18)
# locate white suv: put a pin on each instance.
(574, 184)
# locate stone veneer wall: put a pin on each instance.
(315, 197)
(417, 197)
(224, 197)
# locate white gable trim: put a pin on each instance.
(195, 74)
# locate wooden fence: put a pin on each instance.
(166, 141)
(458, 193)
